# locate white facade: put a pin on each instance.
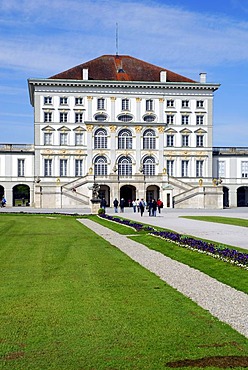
(136, 139)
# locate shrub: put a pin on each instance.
(101, 211)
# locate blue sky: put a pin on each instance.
(41, 38)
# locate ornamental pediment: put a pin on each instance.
(48, 128)
(200, 131)
(170, 131)
(79, 129)
(186, 131)
(64, 128)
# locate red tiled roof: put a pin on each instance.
(119, 68)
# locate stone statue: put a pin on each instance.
(95, 191)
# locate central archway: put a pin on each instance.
(128, 193)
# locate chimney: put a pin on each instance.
(163, 76)
(203, 78)
(85, 74)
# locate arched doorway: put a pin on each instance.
(1, 191)
(242, 196)
(104, 192)
(128, 193)
(152, 192)
(21, 195)
(225, 197)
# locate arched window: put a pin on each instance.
(149, 140)
(125, 140)
(149, 166)
(100, 166)
(125, 166)
(100, 139)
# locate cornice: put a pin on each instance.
(94, 84)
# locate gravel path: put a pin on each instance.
(222, 301)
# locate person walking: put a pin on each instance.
(141, 207)
(160, 205)
(122, 204)
(134, 204)
(154, 208)
(3, 202)
(116, 203)
(103, 204)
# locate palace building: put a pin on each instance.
(135, 129)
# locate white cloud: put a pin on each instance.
(56, 35)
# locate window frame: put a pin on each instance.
(47, 167)
(63, 167)
(149, 140)
(125, 139)
(21, 167)
(199, 141)
(100, 166)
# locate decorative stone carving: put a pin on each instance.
(89, 128)
(112, 128)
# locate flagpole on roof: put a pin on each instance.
(116, 38)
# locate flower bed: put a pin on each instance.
(223, 253)
(135, 225)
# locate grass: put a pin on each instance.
(221, 220)
(224, 272)
(71, 301)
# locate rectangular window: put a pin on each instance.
(47, 117)
(78, 167)
(185, 103)
(79, 101)
(63, 117)
(185, 140)
(63, 100)
(100, 103)
(79, 138)
(185, 120)
(78, 117)
(199, 168)
(170, 140)
(185, 168)
(125, 104)
(170, 168)
(47, 138)
(63, 139)
(199, 140)
(47, 100)
(47, 167)
(21, 167)
(170, 103)
(199, 104)
(170, 119)
(63, 167)
(149, 105)
(222, 169)
(244, 168)
(199, 119)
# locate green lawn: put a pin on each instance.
(221, 220)
(71, 301)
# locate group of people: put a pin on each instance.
(138, 205)
(152, 206)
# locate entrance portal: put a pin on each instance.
(128, 193)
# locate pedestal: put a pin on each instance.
(95, 205)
